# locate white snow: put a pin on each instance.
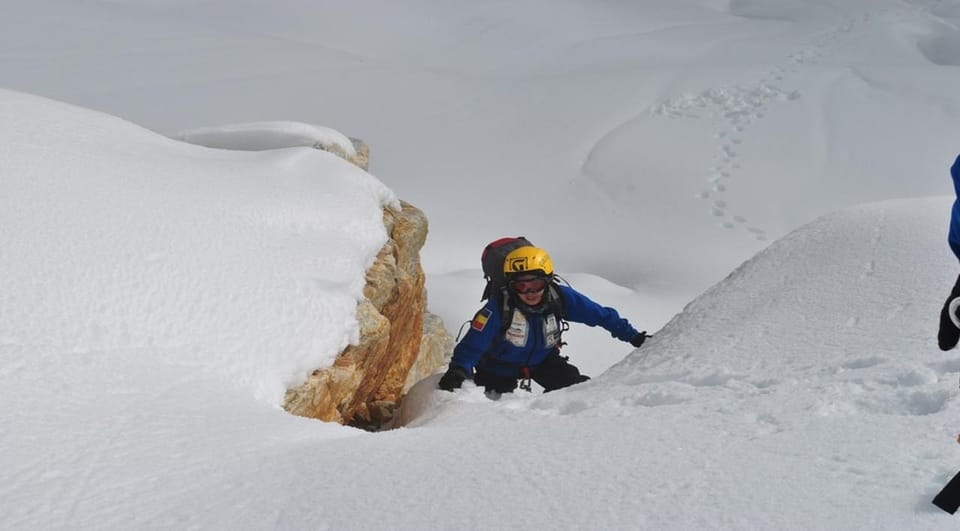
(121, 245)
(763, 184)
(256, 136)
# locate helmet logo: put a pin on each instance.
(518, 264)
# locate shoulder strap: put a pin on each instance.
(506, 312)
(556, 301)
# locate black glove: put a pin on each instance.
(453, 379)
(948, 335)
(639, 339)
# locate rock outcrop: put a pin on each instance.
(400, 343)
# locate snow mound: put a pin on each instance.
(821, 320)
(817, 355)
(831, 309)
(120, 244)
(820, 296)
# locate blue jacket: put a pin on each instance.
(530, 337)
(954, 237)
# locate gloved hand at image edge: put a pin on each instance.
(639, 339)
(948, 333)
(452, 379)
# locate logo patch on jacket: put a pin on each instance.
(480, 320)
(518, 331)
(551, 331)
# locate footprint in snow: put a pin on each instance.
(907, 403)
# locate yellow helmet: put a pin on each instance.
(529, 260)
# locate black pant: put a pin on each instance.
(554, 373)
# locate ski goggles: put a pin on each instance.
(533, 285)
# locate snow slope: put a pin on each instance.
(156, 297)
(802, 392)
(148, 331)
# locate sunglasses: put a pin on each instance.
(528, 286)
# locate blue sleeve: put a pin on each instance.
(578, 308)
(483, 330)
(954, 238)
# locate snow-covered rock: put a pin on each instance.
(258, 136)
(400, 342)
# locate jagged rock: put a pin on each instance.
(435, 349)
(396, 349)
(400, 342)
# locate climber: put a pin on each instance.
(949, 331)
(517, 334)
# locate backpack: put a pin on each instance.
(491, 260)
(494, 254)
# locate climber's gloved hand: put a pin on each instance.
(453, 379)
(639, 339)
(949, 333)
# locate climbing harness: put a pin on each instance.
(525, 382)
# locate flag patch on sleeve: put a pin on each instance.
(480, 320)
